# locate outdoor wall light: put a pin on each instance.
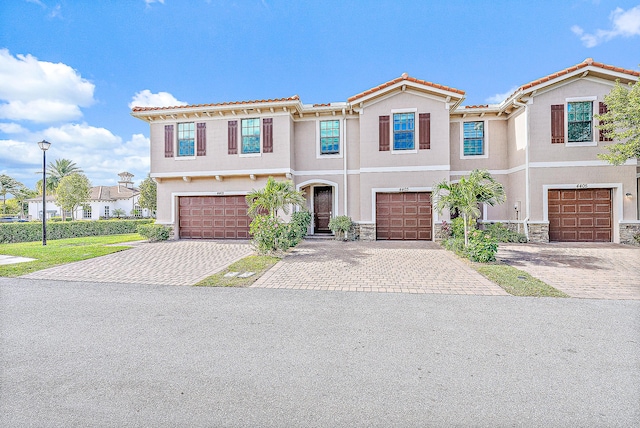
(628, 194)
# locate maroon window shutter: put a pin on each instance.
(168, 141)
(557, 124)
(202, 139)
(267, 138)
(233, 137)
(425, 131)
(602, 110)
(383, 133)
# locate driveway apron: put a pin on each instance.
(585, 270)
(161, 263)
(381, 266)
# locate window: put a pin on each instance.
(186, 139)
(403, 131)
(137, 211)
(250, 136)
(86, 212)
(329, 137)
(473, 135)
(579, 121)
(106, 211)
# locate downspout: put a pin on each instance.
(527, 199)
(344, 155)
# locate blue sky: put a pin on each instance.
(71, 69)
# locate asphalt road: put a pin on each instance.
(123, 355)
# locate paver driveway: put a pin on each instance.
(160, 263)
(382, 266)
(586, 270)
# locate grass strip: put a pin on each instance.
(255, 263)
(517, 282)
(61, 251)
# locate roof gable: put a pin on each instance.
(407, 81)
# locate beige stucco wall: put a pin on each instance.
(217, 159)
(517, 139)
(371, 157)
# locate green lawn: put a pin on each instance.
(257, 264)
(517, 282)
(61, 251)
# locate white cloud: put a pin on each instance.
(146, 98)
(41, 91)
(12, 128)
(498, 98)
(150, 2)
(623, 24)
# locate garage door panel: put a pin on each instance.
(213, 217)
(583, 215)
(403, 216)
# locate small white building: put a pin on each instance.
(102, 203)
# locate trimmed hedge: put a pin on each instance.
(32, 231)
(155, 232)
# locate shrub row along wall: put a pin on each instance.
(27, 232)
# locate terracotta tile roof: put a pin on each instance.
(478, 106)
(406, 77)
(230, 103)
(586, 63)
(322, 105)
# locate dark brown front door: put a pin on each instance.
(213, 217)
(403, 216)
(580, 215)
(322, 207)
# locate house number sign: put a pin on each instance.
(404, 189)
(582, 186)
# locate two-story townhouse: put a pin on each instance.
(377, 156)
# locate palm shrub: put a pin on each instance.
(269, 232)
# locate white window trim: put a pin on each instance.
(485, 141)
(251, 155)
(416, 135)
(592, 143)
(319, 154)
(176, 145)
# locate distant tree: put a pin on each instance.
(12, 207)
(10, 186)
(464, 196)
(21, 196)
(119, 212)
(73, 191)
(59, 169)
(621, 122)
(148, 194)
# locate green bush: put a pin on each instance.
(503, 234)
(457, 227)
(636, 238)
(269, 234)
(32, 231)
(455, 244)
(341, 225)
(297, 227)
(482, 247)
(154, 232)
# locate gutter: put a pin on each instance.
(344, 155)
(527, 198)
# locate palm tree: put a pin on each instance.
(464, 196)
(60, 169)
(10, 186)
(21, 195)
(276, 195)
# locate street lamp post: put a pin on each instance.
(44, 146)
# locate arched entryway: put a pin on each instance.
(322, 203)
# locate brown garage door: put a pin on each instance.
(213, 217)
(580, 215)
(403, 216)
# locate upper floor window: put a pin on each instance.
(186, 139)
(250, 136)
(329, 137)
(473, 136)
(580, 121)
(404, 131)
